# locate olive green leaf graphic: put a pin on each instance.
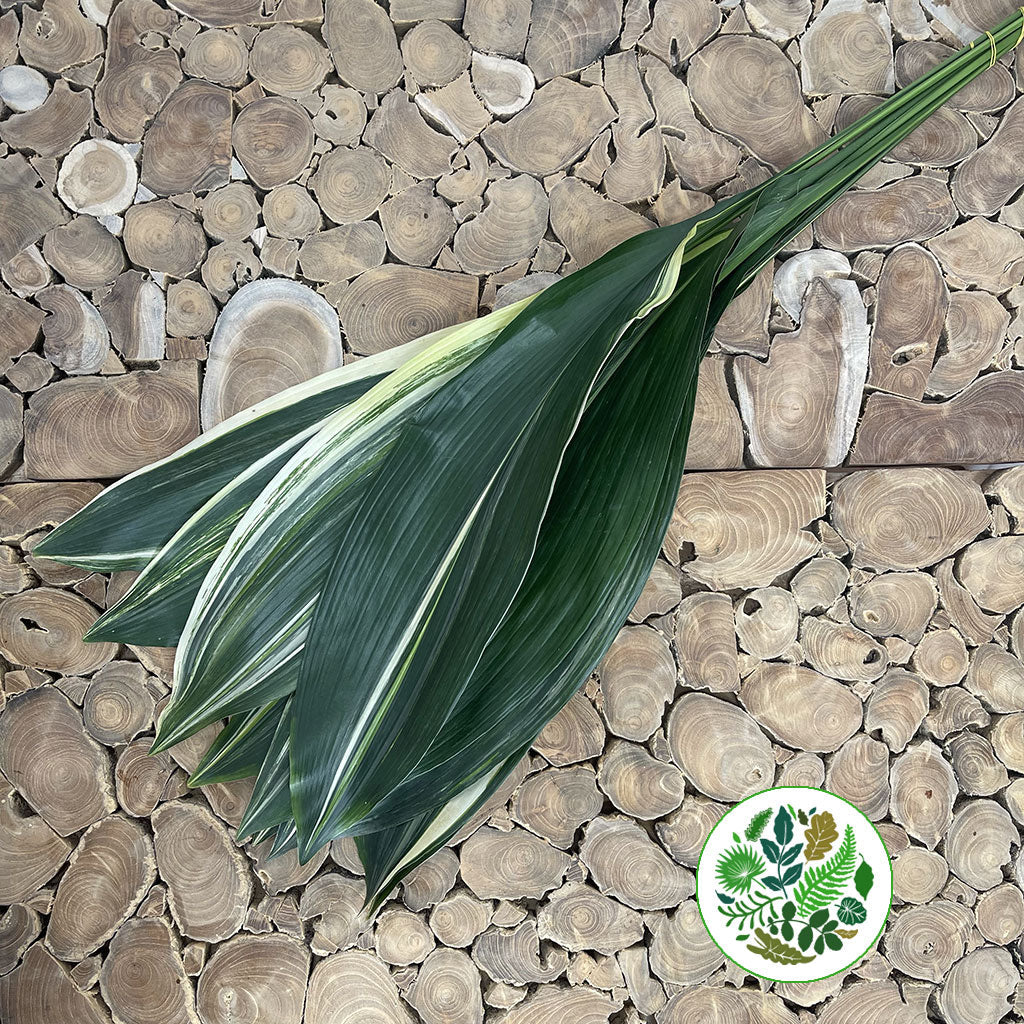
(757, 824)
(821, 885)
(776, 950)
(846, 933)
(864, 879)
(820, 836)
(738, 867)
(851, 911)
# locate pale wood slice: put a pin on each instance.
(22, 88)
(447, 989)
(877, 1001)
(800, 707)
(907, 518)
(164, 238)
(500, 26)
(819, 584)
(22, 321)
(397, 130)
(637, 783)
(130, 420)
(746, 528)
(510, 865)
(71, 789)
(627, 864)
(1008, 741)
(568, 35)
(974, 624)
(955, 709)
(996, 677)
(804, 769)
(27, 508)
(801, 407)
(719, 747)
(456, 108)
(896, 708)
(727, 79)
(978, 989)
(53, 128)
(270, 335)
(27, 212)
(556, 1004)
(923, 788)
(848, 49)
(682, 952)
(574, 734)
(188, 145)
(140, 778)
(976, 325)
(660, 594)
(742, 1006)
(417, 224)
(342, 117)
(229, 266)
(647, 994)
(19, 928)
(910, 210)
(700, 157)
(31, 852)
(842, 651)
(431, 881)
(402, 938)
(433, 54)
(363, 45)
(459, 918)
(508, 229)
(926, 941)
(288, 61)
(389, 305)
(793, 279)
(208, 880)
(577, 916)
(716, 438)
(353, 987)
(941, 657)
(894, 604)
(26, 273)
(978, 843)
(290, 212)
(226, 13)
(137, 79)
(77, 339)
(191, 311)
(993, 571)
(554, 129)
(778, 20)
(273, 139)
(912, 302)
(638, 170)
(895, 430)
(685, 831)
(859, 773)
(1000, 914)
(332, 902)
(109, 873)
(514, 956)
(978, 252)
(638, 677)
(350, 185)
(230, 214)
(135, 312)
(744, 325)
(40, 992)
(706, 643)
(58, 36)
(985, 181)
(217, 56)
(976, 766)
(278, 874)
(98, 177)
(588, 224)
(118, 704)
(554, 803)
(504, 85)
(918, 876)
(991, 90)
(679, 28)
(30, 373)
(143, 978)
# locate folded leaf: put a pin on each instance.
(240, 747)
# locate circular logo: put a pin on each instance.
(794, 884)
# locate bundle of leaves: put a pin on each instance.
(389, 578)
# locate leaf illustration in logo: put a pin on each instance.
(776, 950)
(821, 835)
(846, 933)
(822, 885)
(757, 824)
(783, 827)
(738, 867)
(864, 879)
(851, 911)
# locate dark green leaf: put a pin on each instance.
(818, 918)
(783, 827)
(864, 879)
(805, 937)
(851, 911)
(792, 874)
(832, 940)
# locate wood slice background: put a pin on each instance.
(398, 166)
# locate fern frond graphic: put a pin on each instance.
(820, 886)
